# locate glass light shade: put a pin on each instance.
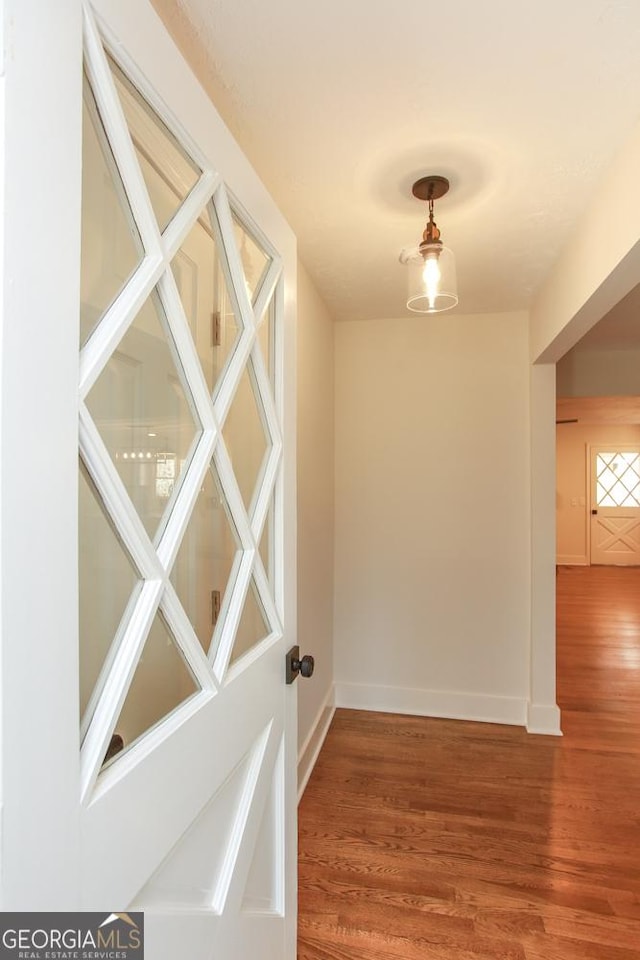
(432, 285)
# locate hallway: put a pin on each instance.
(426, 839)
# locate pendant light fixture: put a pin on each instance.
(431, 265)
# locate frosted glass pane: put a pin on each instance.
(143, 413)
(205, 559)
(253, 626)
(246, 437)
(618, 479)
(168, 171)
(266, 545)
(111, 245)
(161, 682)
(107, 579)
(207, 305)
(265, 339)
(255, 261)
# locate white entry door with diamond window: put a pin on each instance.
(182, 798)
(615, 505)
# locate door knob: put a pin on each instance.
(594, 512)
(297, 665)
(305, 666)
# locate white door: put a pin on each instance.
(615, 505)
(148, 743)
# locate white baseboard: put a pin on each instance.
(310, 749)
(432, 703)
(571, 560)
(543, 718)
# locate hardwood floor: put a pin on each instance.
(448, 840)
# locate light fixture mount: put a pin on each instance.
(430, 188)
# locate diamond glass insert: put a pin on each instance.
(255, 261)
(207, 305)
(161, 682)
(168, 171)
(111, 245)
(266, 543)
(246, 437)
(253, 626)
(143, 414)
(107, 579)
(618, 479)
(205, 559)
(265, 339)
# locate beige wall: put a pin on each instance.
(432, 515)
(599, 373)
(315, 505)
(572, 500)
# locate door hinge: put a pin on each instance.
(215, 606)
(216, 323)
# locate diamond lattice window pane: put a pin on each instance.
(161, 682)
(265, 546)
(207, 305)
(204, 562)
(111, 245)
(607, 479)
(618, 479)
(168, 171)
(253, 626)
(265, 339)
(144, 415)
(255, 261)
(107, 580)
(618, 493)
(246, 437)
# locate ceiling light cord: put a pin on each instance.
(431, 233)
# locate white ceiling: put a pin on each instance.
(342, 104)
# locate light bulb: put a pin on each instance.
(431, 277)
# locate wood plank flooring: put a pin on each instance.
(447, 840)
